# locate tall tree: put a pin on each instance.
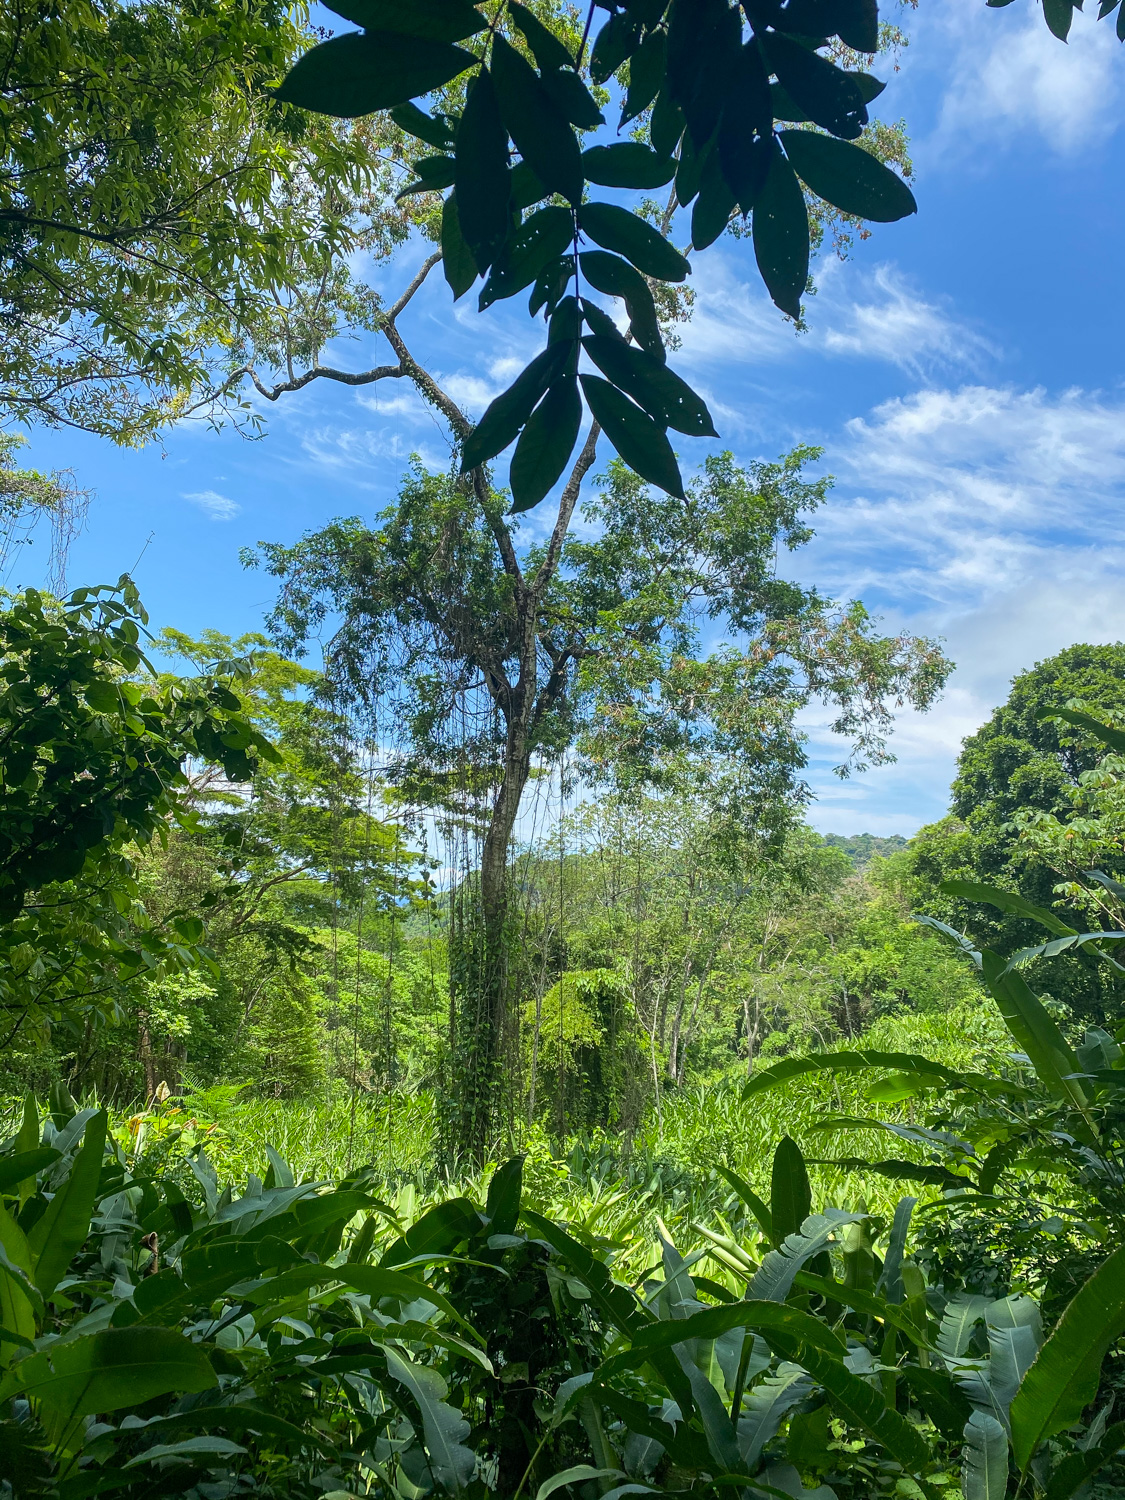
(484, 654)
(1023, 762)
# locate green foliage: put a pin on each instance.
(708, 86)
(1028, 769)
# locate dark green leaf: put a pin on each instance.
(618, 229)
(361, 72)
(1072, 1473)
(565, 324)
(545, 139)
(745, 131)
(940, 1398)
(1064, 1378)
(1007, 901)
(666, 125)
(752, 1201)
(1112, 739)
(848, 177)
(526, 187)
(846, 1062)
(790, 1191)
(855, 22)
(17, 1169)
(646, 73)
(546, 48)
(573, 99)
(667, 398)
(106, 1371)
(550, 285)
(58, 1236)
(640, 442)
(502, 1206)
(628, 164)
(617, 278)
(714, 205)
(434, 174)
(781, 236)
(617, 40)
(435, 20)
(442, 1228)
(483, 182)
(541, 455)
(704, 38)
(456, 258)
(830, 97)
(435, 132)
(599, 322)
(1058, 15)
(689, 170)
(538, 242)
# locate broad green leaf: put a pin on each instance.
(242, 1417)
(1073, 1472)
(984, 1474)
(646, 73)
(505, 416)
(781, 236)
(616, 1302)
(107, 1371)
(57, 1237)
(502, 1206)
(546, 48)
(616, 41)
(457, 261)
(766, 1318)
(704, 39)
(1112, 739)
(436, 20)
(666, 398)
(790, 1190)
(617, 278)
(890, 1282)
(540, 240)
(963, 1312)
(545, 444)
(718, 1428)
(865, 1302)
(444, 1427)
(753, 1203)
(829, 96)
(773, 1280)
(855, 22)
(991, 895)
(572, 99)
(1034, 1030)
(1060, 945)
(23, 1166)
(18, 1295)
(745, 143)
(28, 1136)
(1064, 1378)
(766, 1406)
(415, 121)
(544, 137)
(576, 1474)
(627, 164)
(845, 1062)
(373, 1281)
(483, 184)
(617, 229)
(640, 442)
(190, 1448)
(1059, 14)
(713, 207)
(848, 177)
(360, 72)
(940, 1398)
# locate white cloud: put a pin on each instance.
(1009, 75)
(857, 313)
(991, 518)
(218, 507)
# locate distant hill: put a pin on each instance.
(862, 848)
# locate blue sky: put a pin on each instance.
(961, 371)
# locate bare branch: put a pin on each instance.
(424, 270)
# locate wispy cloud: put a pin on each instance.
(1010, 76)
(218, 507)
(856, 314)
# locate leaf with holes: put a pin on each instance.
(617, 229)
(435, 20)
(640, 442)
(545, 138)
(627, 164)
(538, 241)
(781, 236)
(505, 416)
(848, 177)
(830, 96)
(457, 261)
(665, 397)
(545, 444)
(617, 278)
(483, 183)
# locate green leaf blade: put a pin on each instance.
(361, 72)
